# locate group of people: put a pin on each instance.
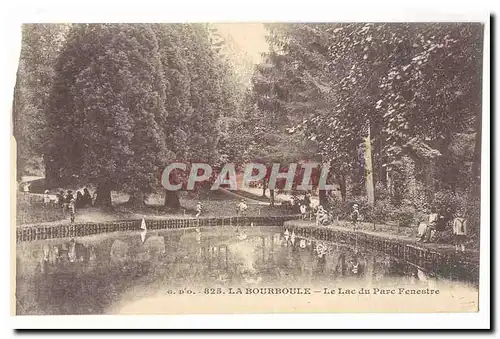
(323, 217)
(69, 203)
(303, 205)
(434, 222)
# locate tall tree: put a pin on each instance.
(107, 109)
(39, 49)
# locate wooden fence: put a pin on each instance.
(449, 265)
(41, 232)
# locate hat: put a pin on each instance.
(46, 191)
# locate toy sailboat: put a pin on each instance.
(144, 230)
(302, 243)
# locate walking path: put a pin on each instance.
(471, 254)
(278, 197)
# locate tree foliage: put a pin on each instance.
(130, 98)
(414, 85)
(39, 48)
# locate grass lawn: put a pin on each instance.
(215, 204)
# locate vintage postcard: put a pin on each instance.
(205, 168)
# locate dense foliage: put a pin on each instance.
(416, 87)
(391, 106)
(128, 99)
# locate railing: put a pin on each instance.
(41, 232)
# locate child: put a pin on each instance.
(242, 207)
(460, 231)
(355, 215)
(303, 210)
(320, 215)
(46, 198)
(71, 207)
(26, 188)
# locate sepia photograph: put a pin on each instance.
(247, 168)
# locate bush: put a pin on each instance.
(383, 211)
(405, 216)
(335, 206)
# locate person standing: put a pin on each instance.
(355, 215)
(87, 198)
(60, 199)
(431, 226)
(422, 221)
(303, 210)
(241, 209)
(460, 231)
(67, 200)
(79, 200)
(46, 198)
(198, 208)
(26, 188)
(322, 216)
(72, 209)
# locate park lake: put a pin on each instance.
(240, 269)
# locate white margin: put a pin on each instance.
(259, 10)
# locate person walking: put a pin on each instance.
(460, 231)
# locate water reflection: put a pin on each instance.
(88, 274)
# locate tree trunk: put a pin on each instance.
(370, 188)
(264, 187)
(271, 196)
(343, 187)
(476, 164)
(136, 199)
(103, 196)
(172, 200)
(389, 182)
(322, 198)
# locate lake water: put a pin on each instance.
(161, 271)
